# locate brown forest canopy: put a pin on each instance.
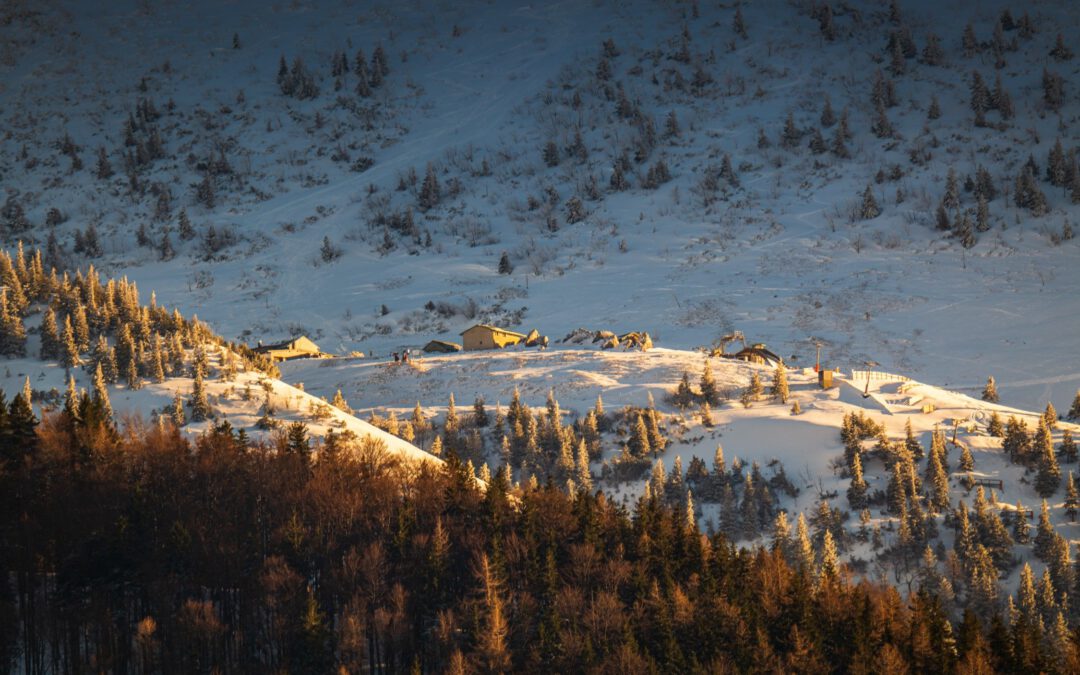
(137, 550)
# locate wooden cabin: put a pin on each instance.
(441, 347)
(483, 336)
(297, 348)
(758, 354)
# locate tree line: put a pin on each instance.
(137, 550)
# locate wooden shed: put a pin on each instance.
(483, 336)
(297, 348)
(442, 347)
(759, 354)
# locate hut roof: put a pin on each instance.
(494, 329)
(442, 346)
(759, 351)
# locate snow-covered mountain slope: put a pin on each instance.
(242, 400)
(476, 90)
(808, 444)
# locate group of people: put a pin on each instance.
(401, 358)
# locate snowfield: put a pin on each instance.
(808, 445)
(477, 85)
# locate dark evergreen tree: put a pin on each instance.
(104, 169)
(205, 193)
(967, 461)
(727, 172)
(50, 337)
(911, 444)
(897, 62)
(184, 228)
(199, 403)
(856, 493)
(101, 393)
(283, 74)
(480, 416)
(709, 391)
(980, 95)
(1048, 478)
(1072, 498)
(828, 118)
(142, 236)
(982, 215)
(933, 54)
(363, 76)
(934, 111)
(328, 252)
(430, 193)
(825, 22)
(165, 248)
(951, 198)
(1044, 534)
(739, 25)
(869, 209)
(1016, 442)
(1053, 89)
(379, 62)
(1060, 52)
(1067, 449)
(1050, 416)
(551, 154)
(791, 136)
(1001, 100)
(69, 357)
(839, 148)
(939, 483)
(963, 231)
(671, 125)
(1055, 165)
(296, 439)
(639, 438)
(18, 432)
(881, 127)
(618, 181)
(969, 42)
(504, 264)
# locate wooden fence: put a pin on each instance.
(857, 375)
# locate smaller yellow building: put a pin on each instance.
(298, 348)
(483, 336)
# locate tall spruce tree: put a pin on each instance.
(1048, 478)
(856, 493)
(101, 392)
(50, 336)
(1072, 498)
(1044, 534)
(1067, 449)
(780, 384)
(939, 483)
(869, 208)
(1074, 409)
(199, 403)
(709, 391)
